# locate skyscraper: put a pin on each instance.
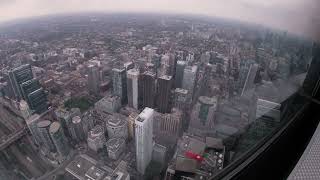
(189, 79)
(179, 73)
(59, 139)
(148, 89)
(144, 139)
(38, 101)
(93, 79)
(76, 129)
(156, 60)
(18, 76)
(29, 87)
(65, 118)
(43, 128)
(172, 64)
(133, 88)
(119, 83)
(202, 115)
(21, 85)
(164, 93)
(164, 68)
(131, 124)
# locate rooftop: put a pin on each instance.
(114, 144)
(78, 167)
(96, 131)
(181, 62)
(186, 165)
(76, 120)
(44, 124)
(149, 73)
(208, 100)
(118, 69)
(166, 77)
(54, 127)
(214, 142)
(133, 72)
(116, 120)
(107, 99)
(183, 91)
(145, 114)
(95, 173)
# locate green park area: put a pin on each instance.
(82, 103)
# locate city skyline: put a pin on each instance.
(115, 96)
(274, 14)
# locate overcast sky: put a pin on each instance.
(298, 16)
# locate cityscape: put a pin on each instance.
(140, 96)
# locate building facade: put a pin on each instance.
(119, 83)
(189, 79)
(148, 89)
(59, 139)
(76, 129)
(109, 104)
(93, 79)
(144, 139)
(179, 73)
(96, 138)
(133, 88)
(117, 126)
(115, 146)
(44, 131)
(18, 76)
(164, 93)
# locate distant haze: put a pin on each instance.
(297, 16)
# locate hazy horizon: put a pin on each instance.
(295, 16)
